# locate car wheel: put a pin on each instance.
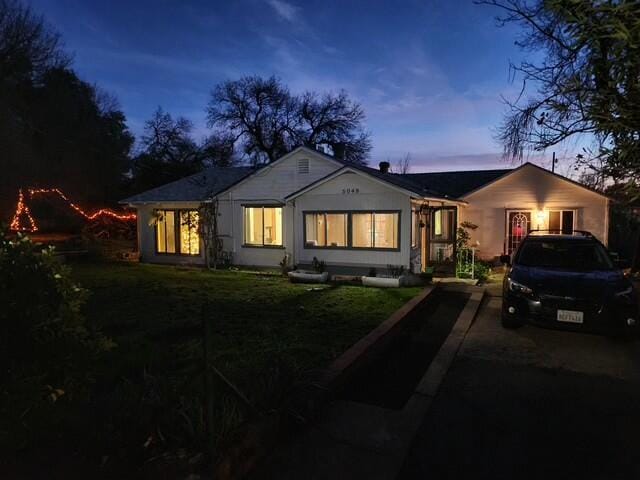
(510, 322)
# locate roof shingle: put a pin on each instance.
(194, 188)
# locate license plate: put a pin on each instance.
(570, 316)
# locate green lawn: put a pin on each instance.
(140, 408)
(153, 313)
(267, 333)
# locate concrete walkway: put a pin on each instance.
(532, 403)
(354, 440)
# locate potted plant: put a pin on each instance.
(317, 275)
(396, 278)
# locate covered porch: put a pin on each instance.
(433, 240)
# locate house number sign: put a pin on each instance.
(349, 191)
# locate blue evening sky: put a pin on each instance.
(428, 73)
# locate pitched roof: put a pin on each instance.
(408, 182)
(194, 188)
(455, 184)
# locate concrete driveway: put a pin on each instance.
(533, 403)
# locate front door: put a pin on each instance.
(518, 225)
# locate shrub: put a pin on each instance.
(46, 347)
(482, 270)
(396, 271)
(318, 266)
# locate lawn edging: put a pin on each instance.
(262, 437)
(364, 350)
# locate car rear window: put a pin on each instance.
(564, 254)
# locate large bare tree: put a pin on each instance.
(259, 112)
(268, 121)
(334, 120)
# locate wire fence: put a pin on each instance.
(466, 263)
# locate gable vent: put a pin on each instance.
(303, 166)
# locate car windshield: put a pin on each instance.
(564, 254)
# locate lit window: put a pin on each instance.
(352, 229)
(443, 224)
(386, 230)
(362, 235)
(414, 228)
(263, 226)
(184, 239)
(166, 233)
(375, 230)
(326, 229)
(561, 221)
(437, 222)
(189, 239)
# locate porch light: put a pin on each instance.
(541, 218)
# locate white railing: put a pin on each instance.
(466, 263)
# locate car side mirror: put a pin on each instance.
(506, 259)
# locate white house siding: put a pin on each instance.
(530, 188)
(147, 235)
(371, 195)
(269, 186)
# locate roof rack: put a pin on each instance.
(584, 233)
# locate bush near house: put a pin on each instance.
(46, 344)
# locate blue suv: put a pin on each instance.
(567, 281)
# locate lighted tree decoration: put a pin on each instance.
(22, 210)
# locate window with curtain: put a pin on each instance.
(263, 226)
(362, 233)
(177, 232)
(326, 229)
(352, 230)
(385, 233)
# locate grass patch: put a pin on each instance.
(153, 313)
(266, 333)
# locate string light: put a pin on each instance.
(23, 210)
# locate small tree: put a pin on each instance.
(403, 164)
(463, 235)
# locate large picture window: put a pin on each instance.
(263, 226)
(177, 232)
(368, 230)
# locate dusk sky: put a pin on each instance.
(428, 73)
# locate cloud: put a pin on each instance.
(285, 10)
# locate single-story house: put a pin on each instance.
(308, 204)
